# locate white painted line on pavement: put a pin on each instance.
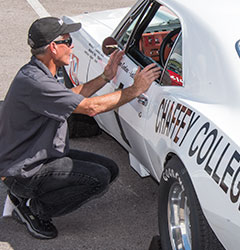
(38, 8)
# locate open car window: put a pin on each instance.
(124, 38)
(151, 36)
(126, 30)
(172, 74)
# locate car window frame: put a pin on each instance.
(141, 8)
(138, 13)
(142, 23)
(166, 64)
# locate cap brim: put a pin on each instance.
(73, 27)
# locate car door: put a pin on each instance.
(111, 121)
(142, 45)
(166, 116)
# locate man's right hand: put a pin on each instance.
(99, 104)
(144, 78)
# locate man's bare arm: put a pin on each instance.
(99, 104)
(89, 88)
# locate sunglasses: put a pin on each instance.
(68, 42)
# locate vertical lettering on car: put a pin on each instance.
(207, 146)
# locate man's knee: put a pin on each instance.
(103, 176)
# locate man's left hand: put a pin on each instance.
(110, 69)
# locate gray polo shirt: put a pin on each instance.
(33, 126)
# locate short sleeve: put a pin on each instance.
(52, 99)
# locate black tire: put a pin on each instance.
(79, 125)
(176, 184)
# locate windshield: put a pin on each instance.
(165, 19)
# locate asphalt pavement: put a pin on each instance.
(125, 217)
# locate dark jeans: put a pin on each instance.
(64, 184)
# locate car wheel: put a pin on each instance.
(182, 224)
(79, 125)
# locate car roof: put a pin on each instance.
(216, 14)
(204, 7)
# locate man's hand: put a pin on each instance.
(99, 104)
(110, 69)
(144, 78)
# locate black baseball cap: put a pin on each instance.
(44, 30)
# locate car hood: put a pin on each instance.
(100, 25)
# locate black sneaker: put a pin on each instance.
(37, 227)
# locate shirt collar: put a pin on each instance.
(41, 65)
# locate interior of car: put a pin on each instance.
(152, 37)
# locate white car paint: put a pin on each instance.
(209, 137)
(101, 24)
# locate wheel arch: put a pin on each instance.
(209, 239)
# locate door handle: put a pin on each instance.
(142, 99)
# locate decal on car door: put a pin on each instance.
(73, 72)
(207, 145)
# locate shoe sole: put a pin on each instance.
(19, 218)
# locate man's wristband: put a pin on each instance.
(105, 78)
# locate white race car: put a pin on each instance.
(184, 130)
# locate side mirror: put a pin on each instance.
(109, 45)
